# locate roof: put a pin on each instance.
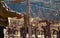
(5, 14)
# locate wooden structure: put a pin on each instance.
(5, 14)
(16, 1)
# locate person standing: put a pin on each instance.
(36, 35)
(10, 32)
(47, 33)
(23, 31)
(2, 31)
(58, 33)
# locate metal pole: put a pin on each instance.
(28, 10)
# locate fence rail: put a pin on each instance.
(33, 36)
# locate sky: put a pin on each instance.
(34, 6)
